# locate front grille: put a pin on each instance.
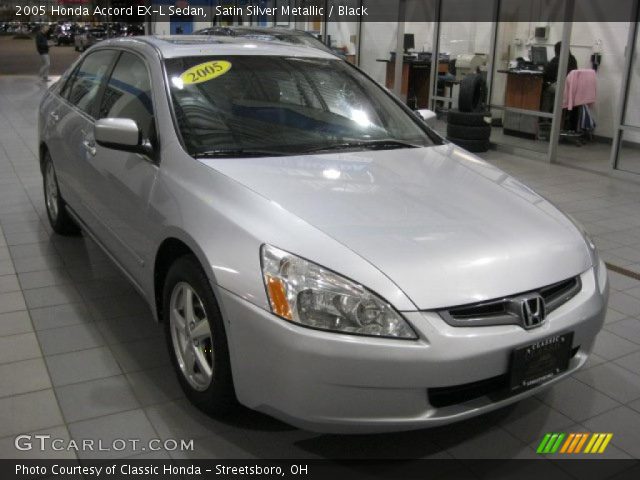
(494, 388)
(500, 311)
(560, 293)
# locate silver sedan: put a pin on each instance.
(314, 250)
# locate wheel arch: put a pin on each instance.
(174, 246)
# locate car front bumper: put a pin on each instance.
(328, 382)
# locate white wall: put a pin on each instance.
(378, 40)
(341, 33)
(465, 37)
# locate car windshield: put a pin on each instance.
(274, 105)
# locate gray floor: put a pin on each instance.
(593, 156)
(81, 358)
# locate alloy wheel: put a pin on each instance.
(191, 336)
(51, 191)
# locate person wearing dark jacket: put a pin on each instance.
(42, 45)
(551, 77)
(551, 70)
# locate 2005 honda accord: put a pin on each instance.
(315, 251)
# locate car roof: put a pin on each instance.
(294, 32)
(173, 46)
(273, 30)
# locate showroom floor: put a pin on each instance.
(593, 156)
(80, 356)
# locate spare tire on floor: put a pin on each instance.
(475, 146)
(469, 132)
(473, 119)
(473, 93)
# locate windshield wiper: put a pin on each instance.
(385, 144)
(237, 152)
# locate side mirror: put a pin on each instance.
(429, 116)
(121, 134)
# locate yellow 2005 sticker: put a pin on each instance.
(204, 72)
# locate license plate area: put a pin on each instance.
(540, 361)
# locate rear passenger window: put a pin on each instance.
(128, 94)
(86, 81)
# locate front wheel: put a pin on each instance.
(196, 337)
(59, 218)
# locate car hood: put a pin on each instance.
(448, 228)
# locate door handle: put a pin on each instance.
(55, 116)
(89, 147)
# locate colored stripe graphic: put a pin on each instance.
(598, 443)
(576, 440)
(582, 440)
(572, 443)
(550, 443)
(567, 443)
(605, 442)
(592, 442)
(594, 437)
(543, 443)
(556, 446)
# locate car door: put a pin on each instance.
(122, 182)
(74, 120)
(55, 113)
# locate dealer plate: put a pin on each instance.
(539, 362)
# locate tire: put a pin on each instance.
(211, 391)
(474, 146)
(473, 93)
(468, 133)
(59, 218)
(471, 119)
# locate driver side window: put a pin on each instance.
(128, 94)
(87, 79)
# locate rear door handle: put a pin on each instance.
(89, 147)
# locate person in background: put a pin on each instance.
(551, 77)
(42, 45)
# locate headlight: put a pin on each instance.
(600, 268)
(308, 294)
